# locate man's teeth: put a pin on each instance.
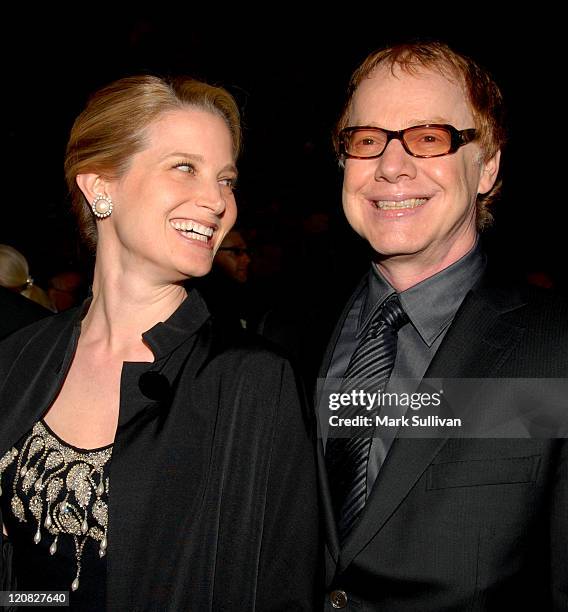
(392, 205)
(193, 229)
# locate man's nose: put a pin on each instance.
(395, 163)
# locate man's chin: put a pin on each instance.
(385, 250)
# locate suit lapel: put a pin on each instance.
(476, 345)
(480, 338)
(327, 506)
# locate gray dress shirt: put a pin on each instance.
(430, 305)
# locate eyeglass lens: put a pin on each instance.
(419, 140)
(236, 251)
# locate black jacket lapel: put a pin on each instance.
(332, 542)
(36, 383)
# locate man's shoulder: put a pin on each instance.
(545, 298)
(531, 322)
(527, 303)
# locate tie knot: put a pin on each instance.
(392, 313)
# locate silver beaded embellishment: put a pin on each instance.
(61, 482)
(6, 460)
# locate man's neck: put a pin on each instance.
(405, 271)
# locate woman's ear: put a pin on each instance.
(91, 185)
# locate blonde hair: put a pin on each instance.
(15, 275)
(483, 94)
(112, 128)
(14, 269)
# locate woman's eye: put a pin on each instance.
(228, 182)
(185, 167)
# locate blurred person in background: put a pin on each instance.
(233, 257)
(227, 290)
(66, 289)
(15, 275)
(17, 312)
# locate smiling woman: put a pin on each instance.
(210, 503)
(173, 204)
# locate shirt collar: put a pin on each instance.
(165, 336)
(431, 304)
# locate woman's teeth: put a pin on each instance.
(193, 230)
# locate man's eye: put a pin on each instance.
(364, 141)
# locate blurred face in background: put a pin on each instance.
(65, 290)
(233, 258)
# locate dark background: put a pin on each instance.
(288, 72)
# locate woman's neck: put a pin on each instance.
(123, 308)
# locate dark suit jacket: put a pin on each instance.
(17, 311)
(213, 501)
(467, 524)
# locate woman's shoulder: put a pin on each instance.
(38, 334)
(248, 350)
(255, 378)
(249, 362)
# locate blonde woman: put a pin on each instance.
(146, 464)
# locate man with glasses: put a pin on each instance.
(234, 257)
(226, 289)
(439, 522)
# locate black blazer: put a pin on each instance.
(17, 311)
(466, 524)
(213, 502)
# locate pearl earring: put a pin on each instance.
(102, 206)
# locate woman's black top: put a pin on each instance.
(214, 491)
(55, 508)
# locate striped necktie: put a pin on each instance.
(347, 457)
